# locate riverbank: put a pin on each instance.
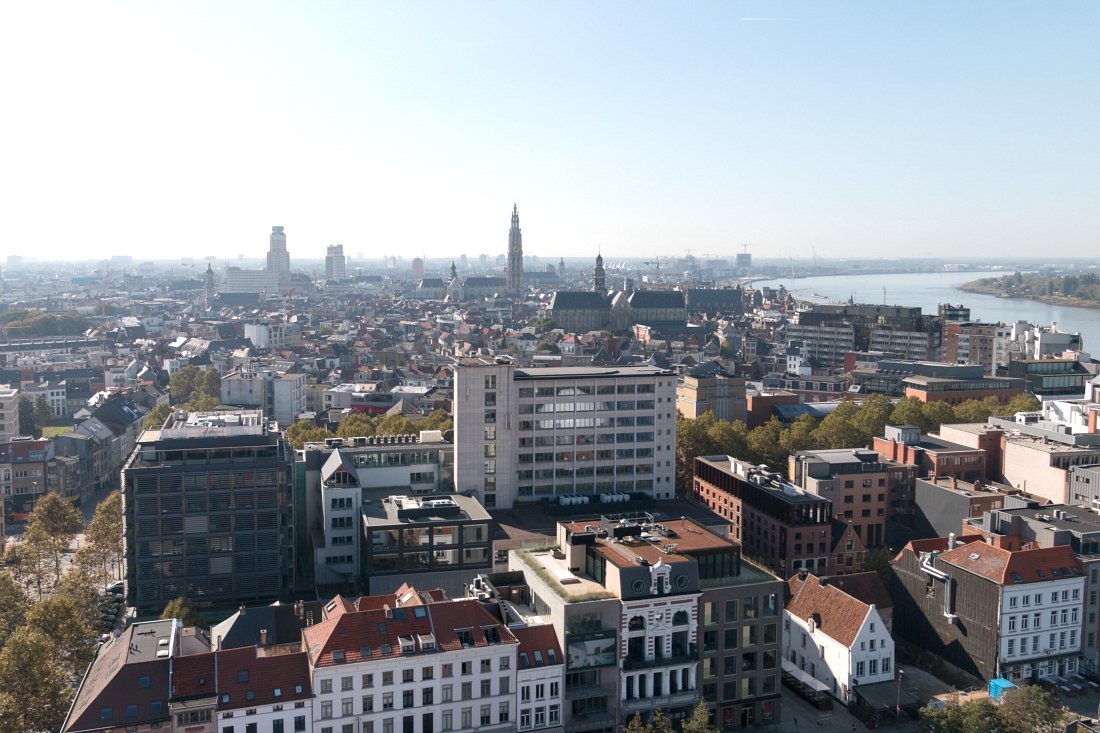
(976, 286)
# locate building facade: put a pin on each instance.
(208, 513)
(526, 435)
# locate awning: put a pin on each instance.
(798, 674)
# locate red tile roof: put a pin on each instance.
(838, 615)
(378, 632)
(246, 678)
(1011, 567)
(540, 639)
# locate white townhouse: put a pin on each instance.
(834, 637)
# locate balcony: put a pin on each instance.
(690, 657)
(664, 702)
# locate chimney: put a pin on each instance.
(1094, 413)
(951, 541)
(954, 483)
(263, 637)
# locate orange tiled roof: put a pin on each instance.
(1009, 567)
(837, 614)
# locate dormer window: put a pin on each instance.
(492, 636)
(465, 637)
(338, 655)
(408, 646)
(427, 642)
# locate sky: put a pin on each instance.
(176, 129)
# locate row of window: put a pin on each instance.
(1027, 599)
(585, 389)
(386, 678)
(744, 636)
(1061, 639)
(1057, 618)
(747, 608)
(447, 721)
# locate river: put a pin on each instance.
(929, 289)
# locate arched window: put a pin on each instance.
(637, 623)
(680, 618)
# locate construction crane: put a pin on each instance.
(656, 262)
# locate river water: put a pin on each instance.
(929, 289)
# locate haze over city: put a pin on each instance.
(841, 128)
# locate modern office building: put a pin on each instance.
(278, 258)
(280, 394)
(786, 527)
(707, 387)
(335, 263)
(207, 513)
(526, 435)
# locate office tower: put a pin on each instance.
(335, 264)
(278, 259)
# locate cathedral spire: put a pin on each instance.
(513, 273)
(599, 277)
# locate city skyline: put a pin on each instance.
(840, 129)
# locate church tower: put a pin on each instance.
(599, 277)
(513, 272)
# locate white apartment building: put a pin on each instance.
(540, 679)
(523, 435)
(281, 395)
(1041, 619)
(411, 668)
(834, 637)
(9, 412)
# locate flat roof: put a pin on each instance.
(1077, 519)
(592, 372)
(404, 510)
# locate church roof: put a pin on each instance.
(657, 299)
(577, 300)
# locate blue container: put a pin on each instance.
(998, 687)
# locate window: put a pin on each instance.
(505, 663)
(427, 673)
(368, 703)
(387, 678)
(326, 709)
(448, 720)
(860, 667)
(299, 723)
(486, 688)
(525, 693)
(347, 706)
(486, 714)
(408, 675)
(467, 690)
(326, 686)
(1011, 647)
(467, 668)
(387, 701)
(368, 680)
(428, 696)
(525, 718)
(886, 665)
(447, 670)
(346, 683)
(502, 686)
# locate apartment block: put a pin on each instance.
(207, 513)
(526, 435)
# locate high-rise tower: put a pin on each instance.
(335, 264)
(278, 259)
(513, 271)
(599, 277)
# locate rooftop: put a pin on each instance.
(403, 510)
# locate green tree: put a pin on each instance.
(765, 444)
(800, 436)
(182, 383)
(693, 438)
(394, 425)
(839, 429)
(201, 402)
(878, 561)
(156, 417)
(303, 432)
(13, 605)
(437, 420)
(354, 425)
(873, 414)
(971, 411)
(936, 414)
(1030, 709)
(909, 411)
(30, 562)
(65, 624)
(104, 535)
(43, 415)
(53, 524)
(1021, 403)
(210, 383)
(28, 422)
(699, 722)
(729, 437)
(35, 688)
(181, 608)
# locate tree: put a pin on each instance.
(693, 438)
(36, 690)
(909, 411)
(354, 425)
(52, 525)
(104, 535)
(182, 383)
(13, 605)
(182, 609)
(971, 411)
(800, 436)
(873, 414)
(660, 723)
(201, 402)
(28, 424)
(765, 444)
(635, 725)
(880, 562)
(30, 561)
(936, 414)
(43, 415)
(1030, 709)
(65, 624)
(840, 430)
(156, 417)
(303, 432)
(1021, 403)
(699, 722)
(394, 425)
(437, 420)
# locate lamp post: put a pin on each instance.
(897, 705)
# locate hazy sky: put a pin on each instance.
(171, 129)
